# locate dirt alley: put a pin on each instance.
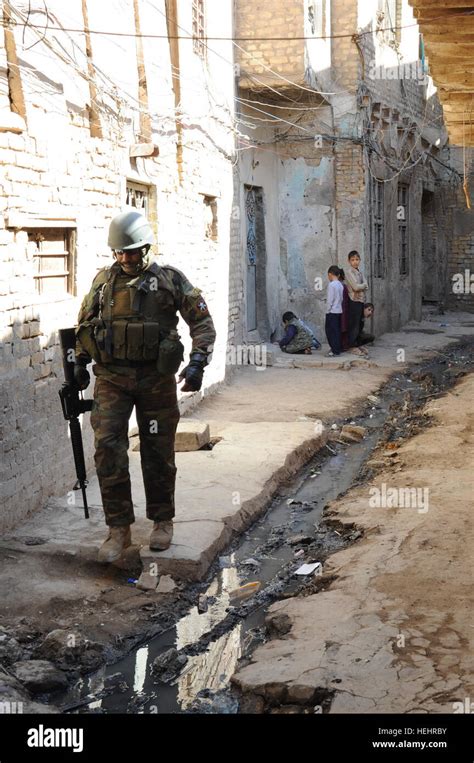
(391, 633)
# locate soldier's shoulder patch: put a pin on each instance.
(201, 305)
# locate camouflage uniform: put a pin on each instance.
(127, 324)
(302, 338)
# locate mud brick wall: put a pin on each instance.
(53, 172)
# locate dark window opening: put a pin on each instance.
(402, 217)
(210, 206)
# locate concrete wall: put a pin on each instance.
(54, 173)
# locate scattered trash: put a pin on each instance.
(250, 563)
(299, 553)
(301, 538)
(245, 591)
(307, 569)
(203, 604)
(334, 426)
(373, 399)
(132, 580)
(169, 664)
(331, 450)
(444, 325)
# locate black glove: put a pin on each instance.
(81, 374)
(193, 373)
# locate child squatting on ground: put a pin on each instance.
(298, 337)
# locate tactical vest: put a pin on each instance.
(301, 340)
(133, 320)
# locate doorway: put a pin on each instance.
(256, 263)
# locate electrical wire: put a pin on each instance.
(246, 102)
(246, 39)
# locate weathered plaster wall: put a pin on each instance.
(54, 171)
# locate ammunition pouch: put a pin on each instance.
(90, 336)
(170, 355)
(133, 342)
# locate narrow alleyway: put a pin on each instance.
(392, 631)
(108, 615)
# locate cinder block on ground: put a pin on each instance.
(191, 435)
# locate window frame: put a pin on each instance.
(378, 228)
(134, 185)
(198, 22)
(403, 239)
(69, 253)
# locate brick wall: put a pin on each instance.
(460, 261)
(285, 56)
(55, 173)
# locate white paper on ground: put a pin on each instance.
(307, 569)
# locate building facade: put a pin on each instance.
(345, 149)
(103, 106)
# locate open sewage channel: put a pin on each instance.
(187, 667)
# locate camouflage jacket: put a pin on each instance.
(157, 293)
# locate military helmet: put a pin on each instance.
(129, 230)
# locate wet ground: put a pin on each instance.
(187, 668)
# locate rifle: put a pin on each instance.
(73, 404)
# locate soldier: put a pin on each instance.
(127, 325)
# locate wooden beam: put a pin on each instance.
(95, 125)
(445, 36)
(457, 139)
(15, 85)
(448, 50)
(145, 119)
(434, 4)
(460, 118)
(440, 15)
(454, 27)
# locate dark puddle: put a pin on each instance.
(188, 667)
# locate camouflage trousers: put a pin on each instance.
(117, 391)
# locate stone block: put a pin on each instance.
(191, 435)
(166, 584)
(352, 433)
(11, 122)
(39, 676)
(147, 582)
